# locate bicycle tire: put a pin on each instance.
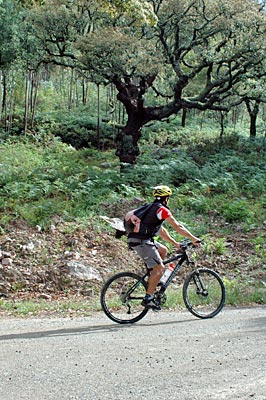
(120, 301)
(204, 293)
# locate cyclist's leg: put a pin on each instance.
(155, 276)
(152, 254)
(162, 250)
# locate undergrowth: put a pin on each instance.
(216, 183)
(47, 178)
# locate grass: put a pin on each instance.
(243, 293)
(65, 308)
(237, 294)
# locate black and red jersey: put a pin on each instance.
(152, 221)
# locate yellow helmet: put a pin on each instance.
(161, 191)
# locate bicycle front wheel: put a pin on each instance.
(204, 293)
(121, 298)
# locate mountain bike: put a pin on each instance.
(203, 291)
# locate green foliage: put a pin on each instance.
(237, 210)
(37, 307)
(111, 52)
(199, 204)
(238, 292)
(9, 23)
(141, 10)
(78, 129)
(260, 246)
(256, 186)
(214, 247)
(43, 181)
(47, 178)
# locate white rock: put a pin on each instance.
(7, 262)
(83, 271)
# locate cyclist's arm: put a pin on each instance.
(181, 230)
(164, 234)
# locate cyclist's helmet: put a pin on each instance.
(161, 191)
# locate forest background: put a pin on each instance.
(101, 101)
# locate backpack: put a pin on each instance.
(133, 218)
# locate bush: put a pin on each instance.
(47, 177)
(237, 211)
(80, 131)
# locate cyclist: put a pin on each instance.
(152, 252)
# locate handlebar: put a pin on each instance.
(184, 244)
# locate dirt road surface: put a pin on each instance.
(167, 355)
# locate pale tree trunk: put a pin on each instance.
(27, 100)
(4, 98)
(34, 96)
(70, 96)
(98, 115)
(11, 103)
(0, 95)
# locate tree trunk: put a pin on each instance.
(4, 97)
(98, 115)
(253, 113)
(11, 103)
(184, 115)
(131, 96)
(222, 118)
(253, 128)
(70, 93)
(35, 85)
(0, 95)
(26, 108)
(127, 140)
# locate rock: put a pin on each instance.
(52, 228)
(7, 262)
(28, 247)
(83, 271)
(87, 292)
(45, 296)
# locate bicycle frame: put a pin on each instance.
(182, 258)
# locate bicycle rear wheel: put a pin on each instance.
(204, 293)
(121, 298)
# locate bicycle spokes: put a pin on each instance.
(204, 293)
(121, 298)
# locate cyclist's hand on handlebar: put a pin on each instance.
(196, 242)
(178, 246)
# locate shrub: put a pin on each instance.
(217, 246)
(237, 210)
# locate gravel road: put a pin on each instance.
(167, 355)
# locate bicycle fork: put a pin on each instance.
(200, 288)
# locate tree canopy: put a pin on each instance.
(192, 54)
